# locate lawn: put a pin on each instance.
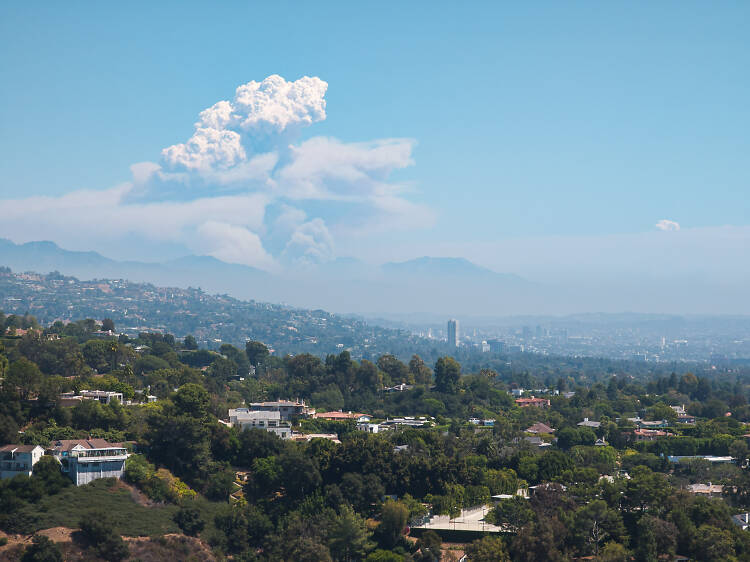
(114, 498)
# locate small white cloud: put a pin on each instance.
(667, 225)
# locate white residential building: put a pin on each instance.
(19, 459)
(103, 396)
(371, 427)
(86, 460)
(286, 408)
(269, 421)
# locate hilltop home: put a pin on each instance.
(742, 520)
(371, 427)
(533, 401)
(19, 459)
(708, 490)
(650, 434)
(539, 428)
(269, 421)
(86, 460)
(286, 408)
(69, 399)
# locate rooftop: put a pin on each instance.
(539, 427)
(340, 415)
(245, 414)
(17, 448)
(62, 445)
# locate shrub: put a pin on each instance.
(189, 520)
(99, 532)
(42, 549)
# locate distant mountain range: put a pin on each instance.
(414, 291)
(437, 285)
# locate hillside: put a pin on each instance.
(212, 319)
(441, 285)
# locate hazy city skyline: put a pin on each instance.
(597, 151)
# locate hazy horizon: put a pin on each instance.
(597, 154)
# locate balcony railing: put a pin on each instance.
(100, 453)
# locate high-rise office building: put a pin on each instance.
(453, 332)
(496, 346)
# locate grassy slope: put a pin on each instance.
(131, 519)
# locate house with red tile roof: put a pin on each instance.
(533, 401)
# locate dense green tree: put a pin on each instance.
(421, 373)
(24, 378)
(712, 543)
(381, 555)
(447, 374)
(393, 519)
(219, 485)
(513, 513)
(349, 537)
(47, 472)
(189, 520)
(238, 357)
(396, 371)
(614, 552)
(256, 352)
(192, 400)
(487, 549)
(646, 489)
(8, 429)
(541, 540)
(596, 523)
(428, 547)
(646, 546)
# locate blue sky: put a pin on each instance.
(574, 121)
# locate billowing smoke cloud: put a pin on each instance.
(261, 114)
(234, 244)
(310, 243)
(211, 194)
(667, 225)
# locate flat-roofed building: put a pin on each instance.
(268, 421)
(287, 408)
(103, 396)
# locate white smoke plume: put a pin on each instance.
(212, 193)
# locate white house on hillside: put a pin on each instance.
(19, 459)
(270, 421)
(86, 460)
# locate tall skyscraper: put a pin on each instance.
(453, 332)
